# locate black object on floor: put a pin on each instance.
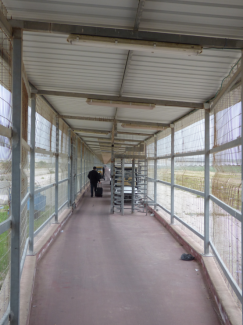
(187, 257)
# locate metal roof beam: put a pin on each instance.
(101, 140)
(56, 28)
(102, 119)
(139, 14)
(158, 102)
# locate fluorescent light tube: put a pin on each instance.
(134, 45)
(135, 126)
(119, 104)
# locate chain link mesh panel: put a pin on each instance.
(63, 166)
(164, 143)
(189, 133)
(5, 165)
(225, 179)
(150, 147)
(45, 142)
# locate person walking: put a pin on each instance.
(94, 178)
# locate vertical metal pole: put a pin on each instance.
(69, 167)
(16, 175)
(56, 169)
(242, 166)
(122, 186)
(112, 178)
(206, 183)
(75, 169)
(133, 185)
(172, 175)
(81, 175)
(32, 175)
(84, 167)
(155, 171)
(72, 173)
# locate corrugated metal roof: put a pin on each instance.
(176, 76)
(158, 114)
(53, 64)
(79, 107)
(198, 17)
(93, 12)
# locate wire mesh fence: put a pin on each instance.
(5, 166)
(189, 178)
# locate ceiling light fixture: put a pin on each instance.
(149, 127)
(134, 45)
(119, 104)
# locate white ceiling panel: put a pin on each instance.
(177, 76)
(159, 114)
(52, 63)
(221, 18)
(104, 126)
(79, 107)
(90, 12)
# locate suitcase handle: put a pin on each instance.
(100, 184)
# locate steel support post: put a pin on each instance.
(75, 169)
(155, 171)
(32, 175)
(81, 170)
(69, 168)
(112, 178)
(56, 169)
(133, 185)
(72, 173)
(206, 182)
(242, 165)
(16, 175)
(84, 168)
(122, 186)
(172, 175)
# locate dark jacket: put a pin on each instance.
(94, 176)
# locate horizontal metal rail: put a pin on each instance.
(24, 201)
(24, 255)
(226, 207)
(44, 224)
(44, 188)
(26, 145)
(163, 208)
(183, 188)
(5, 132)
(151, 179)
(228, 145)
(193, 153)
(44, 151)
(163, 182)
(163, 157)
(62, 205)
(63, 180)
(229, 277)
(5, 225)
(189, 227)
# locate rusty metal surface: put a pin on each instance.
(118, 270)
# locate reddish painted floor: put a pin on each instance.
(118, 270)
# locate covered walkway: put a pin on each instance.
(110, 269)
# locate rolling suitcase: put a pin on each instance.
(99, 191)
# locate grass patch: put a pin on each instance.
(4, 246)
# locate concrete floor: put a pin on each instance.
(118, 270)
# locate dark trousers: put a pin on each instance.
(93, 187)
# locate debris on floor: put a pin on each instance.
(187, 257)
